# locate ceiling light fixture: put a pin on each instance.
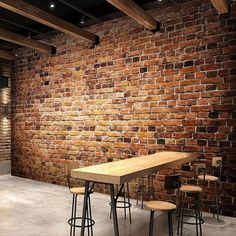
(82, 20)
(52, 4)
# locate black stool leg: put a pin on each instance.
(110, 212)
(88, 216)
(151, 223)
(199, 214)
(170, 224)
(141, 190)
(182, 216)
(179, 211)
(72, 214)
(124, 202)
(176, 211)
(217, 201)
(90, 228)
(196, 211)
(75, 214)
(130, 220)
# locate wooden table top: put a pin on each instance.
(122, 171)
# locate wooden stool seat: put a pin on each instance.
(78, 190)
(190, 189)
(160, 206)
(208, 178)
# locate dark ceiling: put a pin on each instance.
(94, 11)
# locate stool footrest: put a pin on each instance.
(125, 204)
(201, 221)
(90, 224)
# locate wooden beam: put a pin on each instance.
(25, 9)
(23, 41)
(131, 9)
(6, 55)
(222, 6)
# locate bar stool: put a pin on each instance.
(172, 182)
(206, 178)
(125, 203)
(75, 191)
(145, 189)
(140, 191)
(160, 206)
(195, 191)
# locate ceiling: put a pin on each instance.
(93, 11)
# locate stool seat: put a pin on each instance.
(190, 189)
(77, 190)
(208, 178)
(160, 206)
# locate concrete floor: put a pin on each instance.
(5, 167)
(31, 208)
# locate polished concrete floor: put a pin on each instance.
(31, 208)
(5, 167)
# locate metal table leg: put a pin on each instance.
(85, 207)
(113, 205)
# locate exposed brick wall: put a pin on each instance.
(134, 94)
(5, 119)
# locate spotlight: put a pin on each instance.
(52, 4)
(82, 20)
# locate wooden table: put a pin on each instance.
(120, 172)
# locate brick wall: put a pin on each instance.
(134, 94)
(5, 119)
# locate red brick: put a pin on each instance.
(134, 94)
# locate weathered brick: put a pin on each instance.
(213, 114)
(5, 104)
(134, 94)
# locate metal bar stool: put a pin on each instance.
(143, 188)
(125, 203)
(172, 182)
(75, 192)
(202, 175)
(160, 206)
(195, 191)
(140, 191)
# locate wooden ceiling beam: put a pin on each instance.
(7, 55)
(25, 9)
(23, 41)
(134, 11)
(222, 6)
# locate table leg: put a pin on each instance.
(85, 207)
(113, 205)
